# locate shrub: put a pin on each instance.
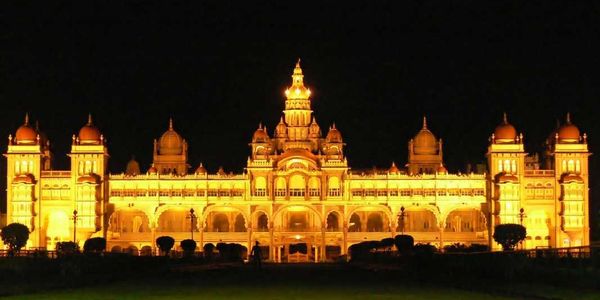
(478, 248)
(188, 246)
(455, 248)
(231, 252)
(404, 243)
(66, 249)
(94, 245)
(165, 244)
(509, 235)
(146, 251)
(386, 243)
(424, 250)
(15, 235)
(208, 250)
(362, 250)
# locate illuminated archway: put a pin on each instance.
(465, 220)
(418, 220)
(355, 224)
(129, 220)
(240, 223)
(174, 220)
(333, 221)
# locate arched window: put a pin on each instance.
(578, 166)
(375, 222)
(262, 223)
(220, 223)
(355, 224)
(333, 222)
(297, 185)
(240, 223)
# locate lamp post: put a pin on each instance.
(74, 226)
(192, 216)
(521, 216)
(402, 216)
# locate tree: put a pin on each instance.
(15, 235)
(165, 244)
(404, 242)
(509, 235)
(188, 246)
(66, 248)
(94, 245)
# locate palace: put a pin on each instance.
(298, 188)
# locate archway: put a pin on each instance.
(333, 221)
(355, 224)
(240, 223)
(174, 220)
(465, 220)
(220, 222)
(262, 222)
(418, 220)
(129, 220)
(375, 222)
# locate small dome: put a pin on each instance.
(170, 143)
(260, 135)
(152, 170)
(201, 169)
(281, 129)
(334, 135)
(314, 129)
(89, 134)
(393, 169)
(568, 132)
(221, 171)
(441, 169)
(425, 142)
(26, 134)
(133, 167)
(505, 132)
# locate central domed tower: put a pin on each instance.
(170, 153)
(424, 152)
(298, 112)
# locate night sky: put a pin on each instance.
(375, 69)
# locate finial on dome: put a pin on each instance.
(333, 126)
(298, 63)
(37, 125)
(568, 118)
(504, 118)
(26, 118)
(424, 122)
(89, 122)
(260, 126)
(170, 123)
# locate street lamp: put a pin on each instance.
(74, 226)
(192, 216)
(521, 216)
(402, 216)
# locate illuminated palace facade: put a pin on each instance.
(298, 188)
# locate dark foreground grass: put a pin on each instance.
(140, 290)
(311, 281)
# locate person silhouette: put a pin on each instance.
(256, 255)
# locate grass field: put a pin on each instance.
(306, 282)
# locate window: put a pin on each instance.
(405, 193)
(441, 192)
(370, 193)
(213, 193)
(417, 192)
(394, 193)
(237, 193)
(163, 193)
(429, 192)
(115, 193)
(280, 192)
(357, 193)
(224, 193)
(140, 193)
(176, 193)
(188, 193)
(152, 193)
(381, 193)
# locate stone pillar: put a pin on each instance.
(316, 253)
(441, 236)
(271, 244)
(345, 241)
(323, 244)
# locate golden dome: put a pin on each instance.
(281, 129)
(133, 167)
(170, 142)
(568, 133)
(425, 142)
(89, 134)
(201, 169)
(393, 169)
(441, 169)
(260, 135)
(505, 132)
(26, 134)
(334, 135)
(152, 170)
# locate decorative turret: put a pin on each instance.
(504, 133)
(133, 167)
(424, 151)
(568, 133)
(26, 134)
(170, 152)
(281, 129)
(89, 134)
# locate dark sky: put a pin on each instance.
(375, 69)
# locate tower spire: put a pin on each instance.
(26, 118)
(170, 123)
(89, 122)
(568, 118)
(504, 118)
(424, 122)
